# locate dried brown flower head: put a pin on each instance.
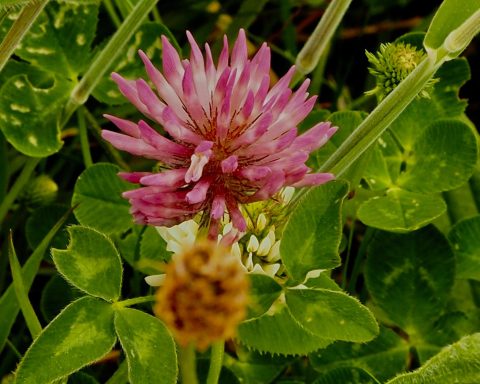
(204, 295)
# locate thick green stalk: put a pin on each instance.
(318, 41)
(394, 104)
(17, 187)
(459, 38)
(107, 57)
(19, 29)
(380, 118)
(188, 366)
(216, 362)
(125, 7)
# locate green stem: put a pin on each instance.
(360, 101)
(369, 233)
(216, 362)
(4, 167)
(318, 41)
(13, 349)
(318, 76)
(107, 57)
(85, 145)
(17, 187)
(460, 203)
(97, 132)
(156, 15)
(135, 300)
(19, 29)
(125, 7)
(349, 251)
(459, 38)
(120, 375)
(21, 292)
(380, 118)
(188, 365)
(112, 13)
(3, 14)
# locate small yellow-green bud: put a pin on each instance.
(42, 190)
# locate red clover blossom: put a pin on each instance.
(231, 138)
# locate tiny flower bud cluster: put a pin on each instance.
(391, 64)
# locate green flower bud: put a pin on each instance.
(41, 190)
(392, 64)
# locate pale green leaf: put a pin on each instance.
(465, 240)
(377, 173)
(98, 193)
(443, 103)
(410, 277)
(332, 315)
(148, 346)
(252, 367)
(458, 363)
(82, 333)
(435, 162)
(263, 292)
(279, 332)
(91, 263)
(303, 251)
(401, 211)
(384, 356)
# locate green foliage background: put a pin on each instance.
(382, 265)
